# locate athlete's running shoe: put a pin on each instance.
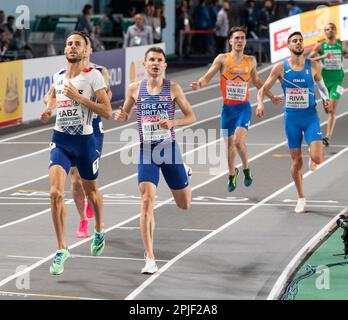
(300, 206)
(150, 266)
(188, 170)
(98, 243)
(58, 263)
(82, 231)
(232, 181)
(326, 141)
(89, 210)
(248, 177)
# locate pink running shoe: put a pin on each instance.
(82, 231)
(89, 211)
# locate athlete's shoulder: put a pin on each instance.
(278, 67)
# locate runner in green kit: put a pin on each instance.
(331, 52)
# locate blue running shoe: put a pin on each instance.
(232, 181)
(248, 177)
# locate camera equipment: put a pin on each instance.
(342, 222)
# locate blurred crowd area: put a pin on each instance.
(201, 26)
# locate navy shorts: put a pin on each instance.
(299, 124)
(233, 116)
(167, 157)
(79, 150)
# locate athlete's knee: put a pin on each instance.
(92, 195)
(318, 158)
(76, 186)
(56, 195)
(238, 142)
(184, 204)
(147, 202)
(297, 163)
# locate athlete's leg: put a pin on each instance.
(316, 152)
(239, 142)
(78, 192)
(57, 177)
(231, 154)
(331, 120)
(147, 219)
(296, 170)
(95, 197)
(182, 197)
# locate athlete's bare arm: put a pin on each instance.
(102, 107)
(258, 83)
(124, 113)
(345, 47)
(179, 98)
(50, 101)
(106, 76)
(217, 66)
(276, 74)
(315, 54)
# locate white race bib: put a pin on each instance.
(333, 63)
(236, 90)
(152, 130)
(69, 113)
(297, 98)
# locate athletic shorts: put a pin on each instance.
(298, 124)
(335, 90)
(165, 157)
(233, 116)
(79, 150)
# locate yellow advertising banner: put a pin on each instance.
(11, 93)
(313, 23)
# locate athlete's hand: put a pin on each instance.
(327, 55)
(166, 124)
(277, 100)
(121, 115)
(71, 92)
(196, 85)
(46, 116)
(260, 110)
(328, 105)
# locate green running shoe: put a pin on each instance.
(98, 243)
(58, 263)
(232, 181)
(248, 177)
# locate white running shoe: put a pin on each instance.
(150, 266)
(188, 170)
(300, 207)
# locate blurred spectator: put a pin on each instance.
(97, 44)
(4, 43)
(10, 27)
(2, 19)
(153, 21)
(213, 11)
(159, 14)
(222, 28)
(138, 34)
(148, 14)
(183, 22)
(250, 18)
(267, 15)
(202, 21)
(85, 23)
(293, 8)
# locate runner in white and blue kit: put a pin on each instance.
(155, 100)
(297, 76)
(73, 141)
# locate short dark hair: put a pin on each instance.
(88, 37)
(79, 34)
(296, 33)
(236, 29)
(155, 49)
(86, 8)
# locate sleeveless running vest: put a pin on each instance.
(235, 81)
(298, 88)
(150, 110)
(333, 66)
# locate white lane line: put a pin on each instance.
(168, 229)
(43, 295)
(298, 258)
(153, 277)
(24, 183)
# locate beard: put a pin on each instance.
(297, 53)
(76, 59)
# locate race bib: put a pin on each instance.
(297, 98)
(236, 90)
(333, 63)
(152, 130)
(69, 113)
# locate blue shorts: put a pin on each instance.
(164, 156)
(233, 116)
(80, 150)
(298, 124)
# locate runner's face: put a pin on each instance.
(155, 63)
(75, 48)
(296, 45)
(330, 31)
(238, 41)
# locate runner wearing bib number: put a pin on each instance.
(297, 76)
(73, 140)
(236, 71)
(155, 100)
(331, 53)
